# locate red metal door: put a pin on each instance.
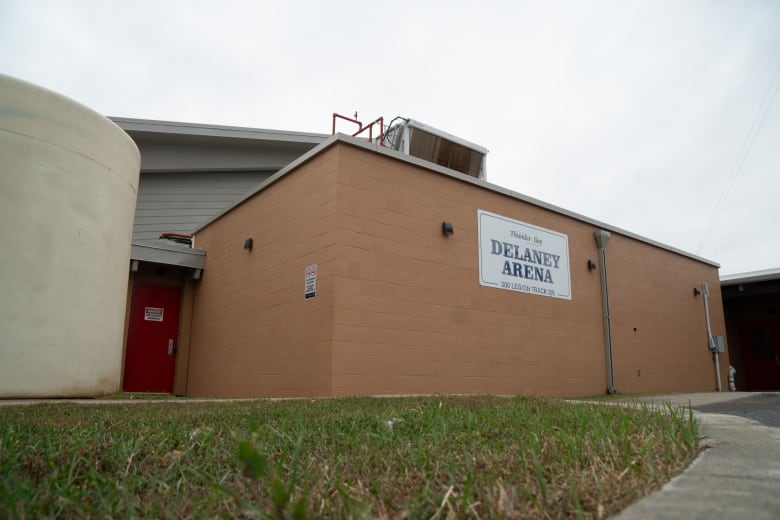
(150, 357)
(761, 352)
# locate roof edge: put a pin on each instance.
(197, 129)
(519, 196)
(750, 277)
(167, 254)
(377, 148)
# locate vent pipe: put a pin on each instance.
(602, 238)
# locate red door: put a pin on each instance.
(150, 357)
(761, 352)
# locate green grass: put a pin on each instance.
(430, 457)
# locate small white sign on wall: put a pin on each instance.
(517, 256)
(153, 313)
(310, 282)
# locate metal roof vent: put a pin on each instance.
(431, 144)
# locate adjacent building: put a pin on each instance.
(751, 302)
(327, 266)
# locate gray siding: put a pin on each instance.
(180, 202)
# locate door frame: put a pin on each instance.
(131, 299)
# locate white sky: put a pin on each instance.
(636, 113)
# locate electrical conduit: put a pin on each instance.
(602, 238)
(705, 290)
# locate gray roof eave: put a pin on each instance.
(751, 277)
(203, 130)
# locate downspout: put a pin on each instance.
(732, 375)
(602, 237)
(705, 290)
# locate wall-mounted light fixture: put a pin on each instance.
(696, 292)
(447, 228)
(248, 244)
(591, 265)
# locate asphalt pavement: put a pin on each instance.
(737, 475)
(761, 407)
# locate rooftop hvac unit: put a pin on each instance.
(430, 144)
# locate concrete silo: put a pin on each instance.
(68, 182)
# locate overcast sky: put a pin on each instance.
(636, 113)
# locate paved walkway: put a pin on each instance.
(736, 476)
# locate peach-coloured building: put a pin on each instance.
(359, 270)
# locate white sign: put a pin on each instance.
(153, 314)
(520, 257)
(310, 282)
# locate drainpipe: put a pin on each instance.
(732, 375)
(705, 290)
(602, 237)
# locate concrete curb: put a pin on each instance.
(736, 476)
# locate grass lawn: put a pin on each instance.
(417, 457)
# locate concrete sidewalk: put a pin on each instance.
(736, 476)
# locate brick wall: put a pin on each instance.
(411, 317)
(400, 309)
(252, 332)
(659, 326)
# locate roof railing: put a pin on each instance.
(362, 128)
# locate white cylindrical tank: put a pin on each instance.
(68, 183)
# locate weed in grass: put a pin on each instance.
(438, 457)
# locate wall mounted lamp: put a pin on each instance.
(696, 292)
(248, 244)
(591, 265)
(447, 228)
